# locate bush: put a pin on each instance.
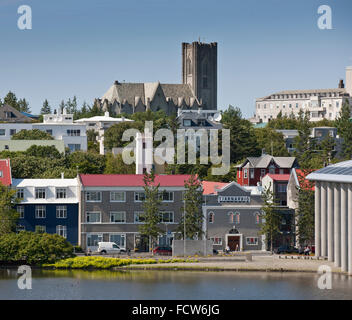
(34, 248)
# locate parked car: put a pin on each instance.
(166, 251)
(286, 249)
(109, 248)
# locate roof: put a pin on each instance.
(22, 183)
(210, 187)
(300, 179)
(264, 161)
(15, 115)
(105, 118)
(339, 172)
(278, 177)
(312, 91)
(5, 169)
(29, 115)
(131, 180)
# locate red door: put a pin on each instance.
(234, 243)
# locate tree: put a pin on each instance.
(71, 105)
(151, 216)
(191, 221)
(45, 108)
(23, 106)
(43, 152)
(344, 126)
(328, 152)
(242, 138)
(305, 211)
(116, 165)
(271, 141)
(271, 221)
(8, 215)
(34, 134)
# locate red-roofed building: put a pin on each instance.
(5, 172)
(211, 187)
(111, 209)
(277, 183)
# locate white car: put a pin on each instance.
(109, 248)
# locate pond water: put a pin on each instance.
(163, 285)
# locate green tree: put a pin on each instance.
(116, 165)
(34, 134)
(328, 152)
(271, 219)
(191, 221)
(8, 215)
(45, 108)
(344, 126)
(151, 216)
(43, 152)
(71, 105)
(23, 106)
(271, 141)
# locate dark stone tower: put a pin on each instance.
(199, 70)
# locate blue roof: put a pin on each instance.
(260, 125)
(29, 115)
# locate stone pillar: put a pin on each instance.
(337, 225)
(323, 220)
(330, 221)
(344, 227)
(349, 229)
(317, 219)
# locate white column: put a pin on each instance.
(330, 221)
(337, 225)
(323, 220)
(317, 219)
(349, 245)
(343, 227)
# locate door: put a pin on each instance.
(234, 243)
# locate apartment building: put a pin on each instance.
(48, 205)
(111, 209)
(320, 103)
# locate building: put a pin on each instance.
(111, 209)
(232, 216)
(23, 145)
(49, 205)
(320, 103)
(277, 184)
(333, 214)
(12, 115)
(253, 169)
(198, 88)
(5, 172)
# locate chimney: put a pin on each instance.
(62, 175)
(341, 84)
(349, 80)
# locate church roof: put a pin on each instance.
(131, 92)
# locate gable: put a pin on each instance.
(233, 189)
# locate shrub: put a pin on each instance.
(34, 248)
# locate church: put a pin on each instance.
(198, 89)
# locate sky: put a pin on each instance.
(81, 47)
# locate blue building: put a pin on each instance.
(49, 205)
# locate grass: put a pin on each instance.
(106, 263)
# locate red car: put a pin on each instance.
(165, 251)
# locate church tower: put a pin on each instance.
(199, 70)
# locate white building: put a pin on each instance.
(333, 214)
(100, 124)
(321, 103)
(60, 126)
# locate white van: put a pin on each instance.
(109, 248)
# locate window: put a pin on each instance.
(40, 212)
(211, 217)
(139, 217)
(12, 132)
(20, 193)
(20, 210)
(262, 172)
(73, 132)
(61, 193)
(167, 196)
(252, 241)
(20, 228)
(139, 196)
(74, 147)
(2, 132)
(216, 240)
(245, 173)
(282, 188)
(61, 212)
(234, 199)
(93, 239)
(167, 217)
(117, 196)
(187, 123)
(251, 173)
(118, 217)
(257, 218)
(235, 218)
(1, 174)
(40, 229)
(119, 239)
(49, 131)
(40, 193)
(61, 231)
(93, 217)
(93, 196)
(281, 171)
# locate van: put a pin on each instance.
(109, 248)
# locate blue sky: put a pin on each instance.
(80, 47)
